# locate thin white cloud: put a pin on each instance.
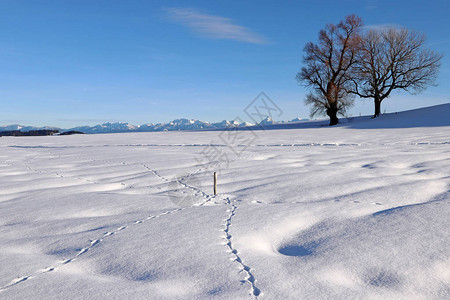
(215, 27)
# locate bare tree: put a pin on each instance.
(390, 59)
(327, 64)
(320, 105)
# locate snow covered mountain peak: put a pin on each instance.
(428, 116)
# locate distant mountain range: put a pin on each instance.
(178, 124)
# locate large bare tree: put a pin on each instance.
(327, 64)
(390, 59)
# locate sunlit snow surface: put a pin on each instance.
(336, 213)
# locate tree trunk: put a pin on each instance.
(332, 113)
(332, 102)
(377, 102)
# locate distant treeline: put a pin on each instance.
(71, 132)
(28, 133)
(37, 132)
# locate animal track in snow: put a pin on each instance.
(92, 244)
(195, 189)
(249, 278)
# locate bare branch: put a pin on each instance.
(393, 59)
(327, 64)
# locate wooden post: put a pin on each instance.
(215, 183)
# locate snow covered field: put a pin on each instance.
(316, 213)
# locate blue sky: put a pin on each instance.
(68, 63)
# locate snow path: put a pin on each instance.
(245, 145)
(249, 278)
